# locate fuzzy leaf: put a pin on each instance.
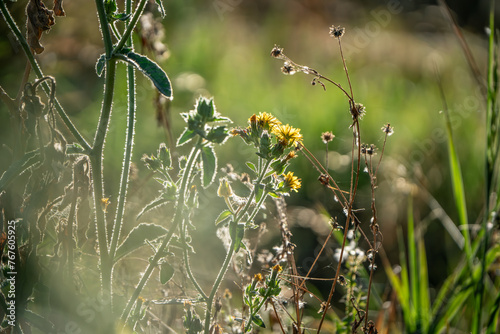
(137, 238)
(186, 136)
(256, 319)
(100, 65)
(222, 216)
(209, 165)
(152, 70)
(251, 166)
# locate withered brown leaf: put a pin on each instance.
(58, 8)
(40, 18)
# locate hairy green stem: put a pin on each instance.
(131, 26)
(96, 161)
(105, 30)
(177, 219)
(127, 154)
(34, 65)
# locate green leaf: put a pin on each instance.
(239, 234)
(137, 238)
(209, 165)
(251, 166)
(186, 136)
(121, 16)
(161, 8)
(256, 319)
(100, 65)
(223, 216)
(152, 70)
(217, 135)
(205, 108)
(166, 272)
(74, 148)
(259, 191)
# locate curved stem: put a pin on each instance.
(217, 282)
(130, 26)
(229, 255)
(177, 219)
(188, 266)
(38, 72)
(96, 160)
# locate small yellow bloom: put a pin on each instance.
(287, 134)
(104, 203)
(291, 181)
(278, 268)
(257, 277)
(267, 121)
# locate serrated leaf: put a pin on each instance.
(161, 9)
(166, 272)
(209, 165)
(251, 166)
(137, 238)
(186, 136)
(222, 216)
(100, 65)
(256, 319)
(217, 135)
(152, 70)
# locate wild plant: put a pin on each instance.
(66, 219)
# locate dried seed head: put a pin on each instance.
(288, 69)
(370, 150)
(327, 137)
(337, 32)
(324, 179)
(388, 129)
(277, 52)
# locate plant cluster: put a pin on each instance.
(69, 231)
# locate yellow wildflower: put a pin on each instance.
(291, 182)
(287, 134)
(267, 121)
